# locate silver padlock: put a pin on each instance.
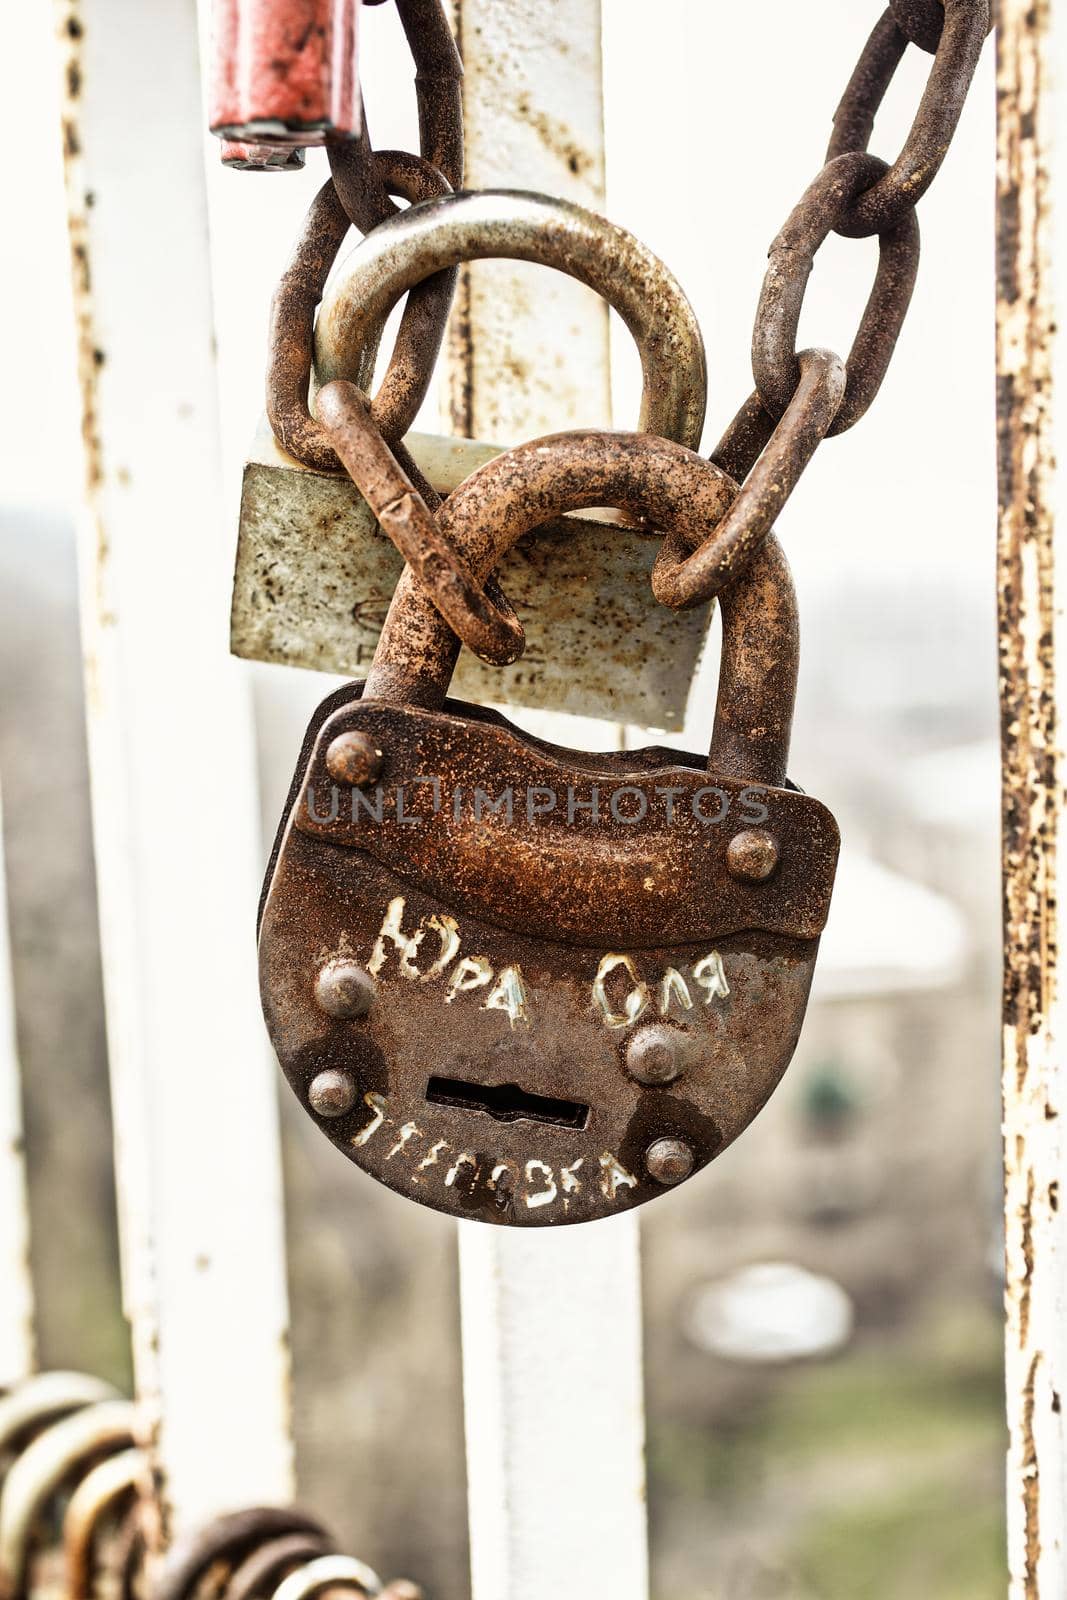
(315, 575)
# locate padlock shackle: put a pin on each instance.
(514, 225)
(676, 491)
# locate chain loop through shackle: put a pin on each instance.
(291, 338)
(490, 224)
(515, 225)
(767, 459)
(482, 617)
(364, 183)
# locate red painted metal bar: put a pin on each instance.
(285, 71)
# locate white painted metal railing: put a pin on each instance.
(176, 841)
(16, 1288)
(551, 1321)
(1032, 47)
(173, 775)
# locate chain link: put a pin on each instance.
(921, 20)
(486, 622)
(966, 23)
(292, 322)
(362, 182)
(792, 256)
(769, 458)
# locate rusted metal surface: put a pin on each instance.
(261, 157)
(528, 1114)
(673, 488)
(267, 1553)
(98, 1500)
(536, 874)
(855, 194)
(965, 24)
(315, 576)
(515, 225)
(261, 1572)
(225, 1543)
(825, 202)
(285, 71)
(362, 181)
(866, 89)
(768, 460)
(292, 324)
(485, 623)
(50, 1461)
(530, 938)
(438, 80)
(62, 1455)
(921, 21)
(399, 256)
(43, 1399)
(1032, 293)
(329, 1573)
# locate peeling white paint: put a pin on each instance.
(376, 1104)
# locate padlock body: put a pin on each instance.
(568, 979)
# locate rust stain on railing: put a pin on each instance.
(70, 24)
(1032, 804)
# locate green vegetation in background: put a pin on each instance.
(875, 1476)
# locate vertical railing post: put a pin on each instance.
(528, 349)
(551, 1318)
(1032, 301)
(173, 774)
(16, 1288)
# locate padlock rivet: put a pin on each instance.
(353, 758)
(752, 855)
(655, 1054)
(343, 989)
(332, 1093)
(669, 1160)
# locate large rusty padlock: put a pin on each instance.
(527, 984)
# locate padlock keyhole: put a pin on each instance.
(506, 1102)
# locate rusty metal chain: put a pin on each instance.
(292, 323)
(856, 195)
(362, 181)
(956, 53)
(485, 621)
(799, 398)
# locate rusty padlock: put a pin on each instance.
(527, 984)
